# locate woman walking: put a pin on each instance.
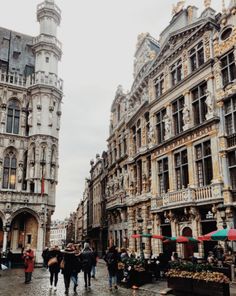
(87, 259)
(28, 257)
(77, 267)
(112, 259)
(54, 258)
(68, 262)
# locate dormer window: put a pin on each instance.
(176, 72)
(226, 33)
(196, 56)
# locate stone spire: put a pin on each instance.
(207, 3)
(223, 6)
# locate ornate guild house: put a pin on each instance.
(172, 142)
(30, 112)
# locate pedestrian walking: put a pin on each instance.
(54, 258)
(28, 257)
(45, 257)
(112, 259)
(9, 258)
(94, 264)
(87, 258)
(77, 267)
(68, 265)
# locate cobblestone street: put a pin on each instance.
(12, 284)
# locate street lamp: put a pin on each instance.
(140, 224)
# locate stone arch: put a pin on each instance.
(188, 248)
(25, 224)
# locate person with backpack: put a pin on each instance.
(87, 259)
(112, 259)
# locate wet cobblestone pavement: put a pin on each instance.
(12, 284)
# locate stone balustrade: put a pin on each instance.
(21, 197)
(188, 195)
(115, 201)
(47, 39)
(34, 79)
(49, 5)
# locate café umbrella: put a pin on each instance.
(181, 239)
(219, 235)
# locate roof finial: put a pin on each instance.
(207, 3)
(178, 7)
(223, 6)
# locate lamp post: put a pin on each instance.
(221, 208)
(140, 224)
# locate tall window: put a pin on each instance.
(196, 56)
(163, 175)
(181, 169)
(204, 163)
(177, 109)
(230, 115)
(228, 68)
(232, 168)
(13, 117)
(199, 103)
(160, 126)
(176, 72)
(159, 85)
(9, 171)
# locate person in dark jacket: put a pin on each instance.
(45, 256)
(54, 268)
(95, 257)
(112, 259)
(69, 261)
(9, 258)
(77, 267)
(87, 259)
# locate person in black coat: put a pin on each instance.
(69, 262)
(54, 268)
(87, 260)
(112, 258)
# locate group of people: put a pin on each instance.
(221, 257)
(71, 261)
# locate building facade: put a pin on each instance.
(30, 108)
(171, 157)
(58, 233)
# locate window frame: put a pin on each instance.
(159, 85)
(226, 73)
(9, 170)
(13, 117)
(176, 72)
(182, 168)
(163, 175)
(178, 115)
(196, 53)
(199, 103)
(232, 167)
(160, 126)
(230, 114)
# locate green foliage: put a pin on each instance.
(189, 266)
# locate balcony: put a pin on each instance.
(187, 196)
(40, 77)
(47, 39)
(21, 197)
(116, 201)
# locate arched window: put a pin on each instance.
(9, 171)
(13, 117)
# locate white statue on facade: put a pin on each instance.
(126, 180)
(186, 115)
(207, 3)
(121, 181)
(210, 104)
(150, 134)
(30, 119)
(167, 123)
(38, 116)
(20, 173)
(145, 95)
(31, 171)
(3, 115)
(178, 7)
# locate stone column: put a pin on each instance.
(154, 178)
(40, 244)
(226, 178)
(130, 228)
(168, 122)
(215, 160)
(4, 246)
(190, 152)
(187, 111)
(210, 98)
(171, 171)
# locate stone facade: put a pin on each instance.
(58, 233)
(172, 143)
(30, 112)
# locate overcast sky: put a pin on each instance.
(99, 40)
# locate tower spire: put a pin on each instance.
(223, 6)
(207, 3)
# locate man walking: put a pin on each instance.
(87, 258)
